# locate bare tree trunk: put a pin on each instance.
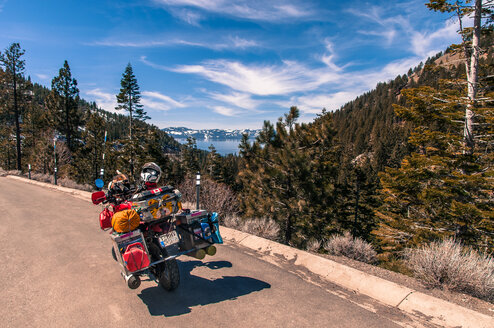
(130, 137)
(17, 126)
(472, 79)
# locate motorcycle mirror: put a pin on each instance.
(98, 197)
(99, 183)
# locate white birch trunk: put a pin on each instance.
(472, 78)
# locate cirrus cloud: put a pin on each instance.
(246, 9)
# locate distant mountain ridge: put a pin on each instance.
(209, 134)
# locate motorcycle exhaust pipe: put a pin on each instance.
(132, 281)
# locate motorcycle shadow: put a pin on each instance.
(195, 290)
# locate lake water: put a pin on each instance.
(223, 147)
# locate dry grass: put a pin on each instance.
(14, 172)
(42, 177)
(448, 265)
(265, 228)
(313, 245)
(47, 178)
(66, 182)
(354, 248)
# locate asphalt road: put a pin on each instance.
(56, 270)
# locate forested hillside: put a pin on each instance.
(399, 166)
(58, 120)
(390, 166)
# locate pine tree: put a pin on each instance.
(214, 164)
(289, 175)
(13, 81)
(439, 190)
(190, 157)
(63, 105)
(89, 159)
(471, 52)
(129, 99)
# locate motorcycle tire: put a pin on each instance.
(113, 254)
(169, 279)
(168, 273)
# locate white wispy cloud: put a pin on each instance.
(158, 101)
(314, 103)
(288, 77)
(328, 58)
(190, 17)
(103, 99)
(241, 43)
(329, 87)
(131, 44)
(426, 44)
(389, 26)
(388, 34)
(42, 77)
(150, 100)
(246, 9)
(225, 111)
(237, 99)
(225, 43)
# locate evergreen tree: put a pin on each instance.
(190, 157)
(89, 159)
(471, 53)
(129, 99)
(13, 81)
(289, 175)
(439, 190)
(63, 104)
(214, 164)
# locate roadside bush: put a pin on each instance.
(47, 178)
(214, 197)
(354, 248)
(265, 228)
(448, 265)
(42, 177)
(14, 172)
(66, 182)
(313, 245)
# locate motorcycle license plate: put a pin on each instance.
(169, 238)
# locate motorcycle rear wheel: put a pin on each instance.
(168, 273)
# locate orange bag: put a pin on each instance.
(125, 221)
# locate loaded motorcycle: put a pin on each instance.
(149, 230)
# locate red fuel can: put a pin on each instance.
(105, 219)
(135, 257)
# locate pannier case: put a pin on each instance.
(131, 251)
(197, 230)
(157, 203)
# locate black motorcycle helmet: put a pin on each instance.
(150, 173)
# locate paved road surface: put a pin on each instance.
(56, 270)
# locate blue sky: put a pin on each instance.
(225, 64)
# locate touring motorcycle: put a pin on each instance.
(149, 230)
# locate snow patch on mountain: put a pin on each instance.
(210, 134)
